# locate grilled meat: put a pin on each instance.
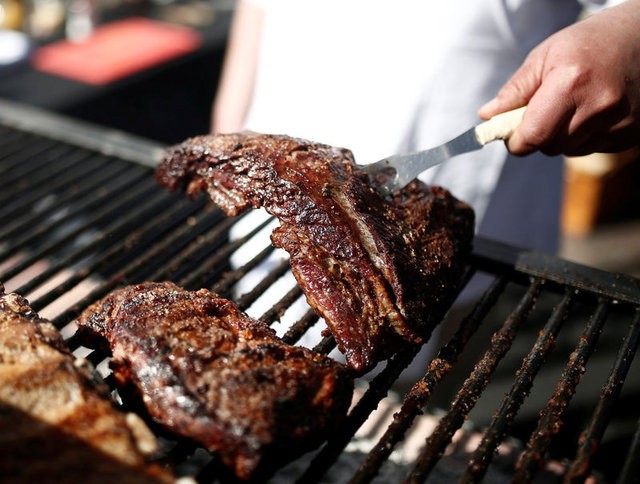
(58, 424)
(380, 271)
(207, 371)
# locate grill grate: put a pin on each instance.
(539, 350)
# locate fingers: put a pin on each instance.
(519, 89)
(547, 118)
(571, 114)
(561, 127)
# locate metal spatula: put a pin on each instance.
(409, 166)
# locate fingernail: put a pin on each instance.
(489, 106)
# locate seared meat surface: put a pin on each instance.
(58, 424)
(380, 271)
(207, 371)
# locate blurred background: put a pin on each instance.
(116, 62)
(119, 63)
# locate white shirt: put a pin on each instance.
(382, 77)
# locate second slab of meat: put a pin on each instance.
(381, 272)
(210, 373)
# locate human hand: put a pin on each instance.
(582, 88)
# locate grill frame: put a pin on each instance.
(165, 236)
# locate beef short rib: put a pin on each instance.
(58, 423)
(380, 271)
(209, 372)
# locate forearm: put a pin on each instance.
(237, 78)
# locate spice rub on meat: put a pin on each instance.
(58, 424)
(380, 271)
(207, 371)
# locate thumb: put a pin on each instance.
(517, 91)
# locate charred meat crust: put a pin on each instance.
(381, 272)
(208, 372)
(58, 421)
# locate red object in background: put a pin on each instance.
(116, 50)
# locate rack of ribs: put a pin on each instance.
(380, 271)
(58, 423)
(208, 372)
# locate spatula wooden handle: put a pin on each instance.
(501, 126)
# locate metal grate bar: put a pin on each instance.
(295, 332)
(91, 137)
(126, 273)
(326, 346)
(47, 162)
(83, 203)
(20, 149)
(420, 393)
(208, 272)
(9, 137)
(104, 240)
(551, 416)
(488, 254)
(30, 218)
(274, 274)
(378, 389)
(23, 191)
(147, 231)
(631, 467)
(153, 228)
(105, 212)
(142, 265)
(188, 259)
(510, 406)
(277, 310)
(210, 267)
(592, 435)
(223, 286)
(472, 388)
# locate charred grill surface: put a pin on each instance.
(380, 271)
(59, 425)
(67, 242)
(208, 372)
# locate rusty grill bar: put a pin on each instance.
(80, 215)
